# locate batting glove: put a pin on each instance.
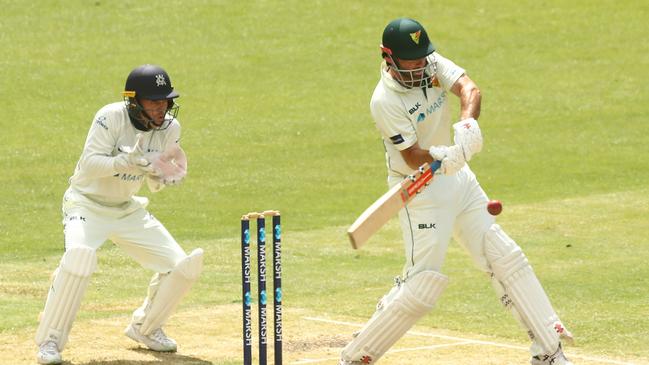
(468, 137)
(452, 158)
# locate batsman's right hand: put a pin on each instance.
(452, 158)
(133, 158)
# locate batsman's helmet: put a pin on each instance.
(149, 82)
(406, 39)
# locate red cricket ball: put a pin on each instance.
(494, 207)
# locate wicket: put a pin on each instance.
(261, 286)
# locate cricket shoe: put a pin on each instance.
(557, 358)
(48, 353)
(156, 341)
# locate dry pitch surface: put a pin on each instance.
(213, 336)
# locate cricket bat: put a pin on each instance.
(379, 213)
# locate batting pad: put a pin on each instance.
(173, 288)
(64, 298)
(511, 268)
(415, 298)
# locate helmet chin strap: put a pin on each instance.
(141, 120)
(148, 121)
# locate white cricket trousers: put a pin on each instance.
(451, 206)
(139, 234)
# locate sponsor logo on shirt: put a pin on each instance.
(414, 108)
(101, 121)
(129, 177)
(432, 108)
(437, 104)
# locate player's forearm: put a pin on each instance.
(98, 165)
(415, 157)
(470, 102)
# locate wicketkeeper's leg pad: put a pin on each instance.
(414, 299)
(511, 268)
(172, 287)
(64, 298)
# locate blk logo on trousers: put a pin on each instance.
(427, 226)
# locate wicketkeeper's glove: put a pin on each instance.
(133, 158)
(170, 166)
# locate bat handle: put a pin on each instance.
(435, 165)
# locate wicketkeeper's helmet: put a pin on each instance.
(406, 39)
(149, 82)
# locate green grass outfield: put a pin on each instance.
(274, 107)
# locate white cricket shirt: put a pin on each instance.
(405, 116)
(95, 179)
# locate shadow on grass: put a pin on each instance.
(162, 358)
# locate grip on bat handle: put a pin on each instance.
(435, 165)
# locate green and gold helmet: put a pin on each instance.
(406, 39)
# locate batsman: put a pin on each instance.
(410, 106)
(128, 143)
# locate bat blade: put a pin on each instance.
(389, 204)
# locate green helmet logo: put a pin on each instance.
(415, 36)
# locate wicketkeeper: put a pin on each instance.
(129, 142)
(410, 106)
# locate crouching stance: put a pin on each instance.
(411, 109)
(128, 143)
